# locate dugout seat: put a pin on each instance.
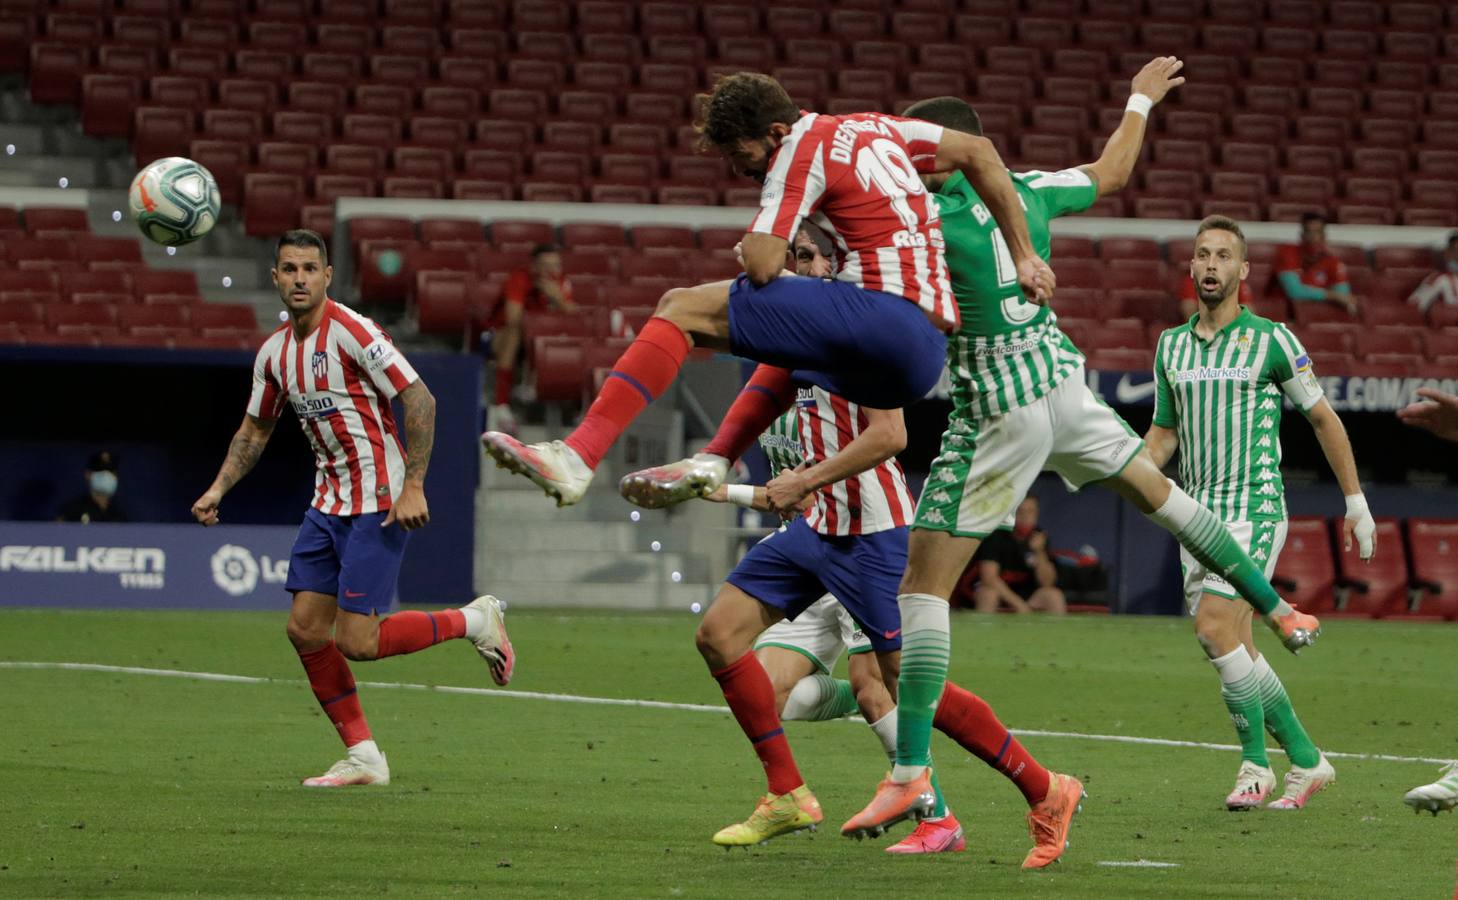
(1434, 547)
(1377, 588)
(1306, 569)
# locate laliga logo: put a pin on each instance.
(234, 570)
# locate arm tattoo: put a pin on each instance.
(419, 429)
(243, 453)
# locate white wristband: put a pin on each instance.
(1356, 505)
(740, 494)
(1139, 103)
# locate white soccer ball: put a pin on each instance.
(175, 201)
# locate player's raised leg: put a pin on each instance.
(685, 317)
(724, 639)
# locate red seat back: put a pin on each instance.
(1379, 586)
(1306, 569)
(1434, 546)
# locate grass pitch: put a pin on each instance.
(134, 785)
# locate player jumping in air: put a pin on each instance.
(339, 372)
(1219, 383)
(856, 336)
(798, 654)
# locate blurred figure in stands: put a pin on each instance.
(1442, 285)
(98, 504)
(1309, 272)
(540, 286)
(1015, 570)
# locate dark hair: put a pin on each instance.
(543, 249)
(1222, 223)
(1312, 217)
(302, 237)
(1452, 238)
(948, 112)
(742, 105)
(818, 237)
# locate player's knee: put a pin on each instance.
(707, 639)
(1216, 634)
(305, 636)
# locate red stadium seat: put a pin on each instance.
(95, 249)
(423, 162)
(405, 186)
(55, 218)
(288, 158)
(557, 364)
(375, 130)
(80, 314)
(1120, 360)
(142, 316)
(1306, 569)
(449, 303)
(594, 16)
(394, 100)
(159, 132)
(82, 282)
(329, 187)
(224, 315)
(524, 234)
(244, 126)
(344, 68)
(1163, 208)
(1379, 587)
(270, 203)
(355, 159)
(384, 266)
(687, 195)
(107, 102)
(1434, 547)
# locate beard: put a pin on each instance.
(1213, 297)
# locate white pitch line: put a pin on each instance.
(656, 704)
(1137, 864)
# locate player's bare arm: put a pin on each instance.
(989, 573)
(883, 437)
(977, 159)
(1112, 170)
(763, 257)
(1331, 434)
(410, 509)
(1161, 443)
(243, 453)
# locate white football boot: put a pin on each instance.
(1438, 796)
(350, 771)
(493, 643)
(1252, 783)
(676, 482)
(552, 465)
(1302, 783)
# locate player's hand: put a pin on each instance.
(1038, 542)
(1358, 524)
(409, 509)
(786, 493)
(1157, 77)
(1037, 280)
(205, 510)
(739, 255)
(1437, 412)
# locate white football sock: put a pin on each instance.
(475, 622)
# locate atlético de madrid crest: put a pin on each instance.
(321, 364)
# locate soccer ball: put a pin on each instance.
(175, 201)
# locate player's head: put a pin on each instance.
(301, 270)
(948, 112)
(546, 260)
(1219, 264)
(1313, 232)
(101, 474)
(812, 251)
(745, 118)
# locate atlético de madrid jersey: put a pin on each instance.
(339, 380)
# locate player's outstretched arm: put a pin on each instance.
(1331, 434)
(750, 496)
(1161, 443)
(410, 508)
(1112, 170)
(977, 159)
(243, 452)
(883, 437)
(1436, 412)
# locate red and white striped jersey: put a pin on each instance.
(857, 178)
(875, 500)
(339, 380)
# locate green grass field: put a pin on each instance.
(136, 785)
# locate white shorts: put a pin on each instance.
(987, 465)
(1262, 540)
(822, 632)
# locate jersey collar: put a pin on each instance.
(1240, 320)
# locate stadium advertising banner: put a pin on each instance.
(144, 566)
(1356, 393)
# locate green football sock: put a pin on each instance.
(926, 643)
(1239, 686)
(816, 698)
(1202, 533)
(1281, 718)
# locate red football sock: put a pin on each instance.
(643, 372)
(967, 719)
(333, 686)
(406, 632)
(504, 377)
(769, 393)
(751, 697)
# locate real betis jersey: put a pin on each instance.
(781, 443)
(1008, 352)
(1222, 397)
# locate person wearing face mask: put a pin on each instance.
(1015, 569)
(1310, 272)
(99, 503)
(1442, 285)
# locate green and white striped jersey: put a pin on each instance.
(1222, 397)
(781, 443)
(1008, 352)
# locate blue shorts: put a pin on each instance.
(875, 349)
(348, 557)
(791, 569)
